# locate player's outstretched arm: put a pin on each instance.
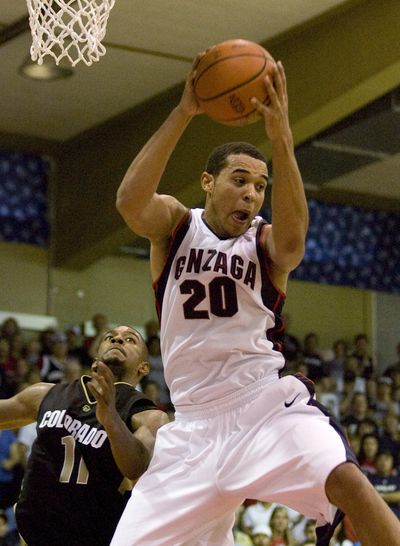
(131, 451)
(286, 239)
(23, 408)
(137, 200)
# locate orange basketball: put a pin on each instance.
(228, 76)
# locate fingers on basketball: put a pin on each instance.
(228, 76)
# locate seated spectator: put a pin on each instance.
(279, 524)
(390, 437)
(53, 365)
(312, 357)
(9, 329)
(369, 449)
(22, 370)
(334, 367)
(361, 353)
(240, 537)
(352, 364)
(386, 481)
(367, 426)
(347, 393)
(355, 443)
(328, 395)
(384, 403)
(357, 412)
(32, 352)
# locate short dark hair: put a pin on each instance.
(217, 159)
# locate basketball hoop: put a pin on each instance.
(72, 29)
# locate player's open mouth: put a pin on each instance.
(241, 216)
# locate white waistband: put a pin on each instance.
(222, 405)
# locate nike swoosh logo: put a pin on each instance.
(288, 404)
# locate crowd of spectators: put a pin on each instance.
(363, 396)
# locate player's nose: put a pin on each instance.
(249, 194)
(117, 339)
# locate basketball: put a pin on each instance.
(228, 76)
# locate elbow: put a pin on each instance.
(128, 208)
(121, 202)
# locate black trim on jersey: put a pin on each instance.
(270, 295)
(89, 396)
(176, 241)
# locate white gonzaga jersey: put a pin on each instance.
(219, 312)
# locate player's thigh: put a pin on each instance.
(285, 450)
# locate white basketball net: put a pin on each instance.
(68, 28)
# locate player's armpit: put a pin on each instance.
(157, 220)
(152, 419)
(146, 425)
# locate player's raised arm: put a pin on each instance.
(137, 200)
(132, 451)
(23, 408)
(286, 238)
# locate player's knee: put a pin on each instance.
(345, 483)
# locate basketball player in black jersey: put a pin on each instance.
(95, 437)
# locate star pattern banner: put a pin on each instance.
(23, 198)
(352, 246)
(346, 245)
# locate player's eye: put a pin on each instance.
(130, 339)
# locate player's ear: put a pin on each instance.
(207, 181)
(144, 368)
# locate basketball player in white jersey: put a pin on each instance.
(220, 277)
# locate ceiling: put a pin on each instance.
(342, 60)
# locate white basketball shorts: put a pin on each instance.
(270, 441)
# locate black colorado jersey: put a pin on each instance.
(71, 492)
